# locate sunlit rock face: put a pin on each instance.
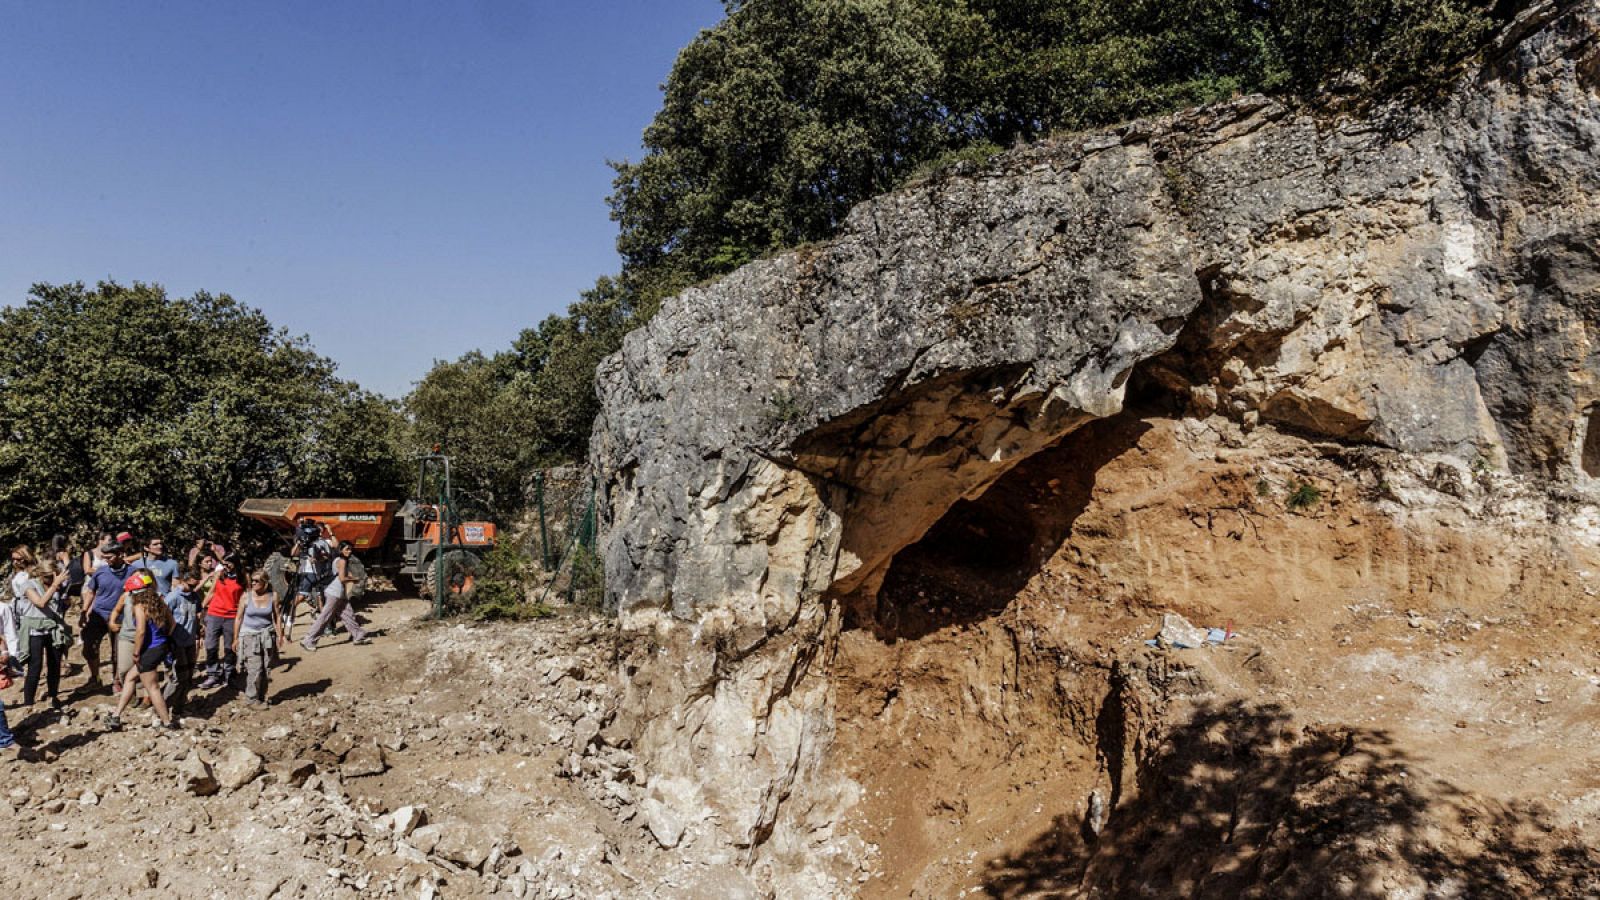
(1422, 280)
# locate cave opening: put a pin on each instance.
(984, 551)
(961, 657)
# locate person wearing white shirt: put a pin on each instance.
(22, 562)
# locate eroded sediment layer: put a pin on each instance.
(1422, 281)
(1001, 680)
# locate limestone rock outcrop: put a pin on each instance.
(1420, 279)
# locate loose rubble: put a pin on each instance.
(489, 769)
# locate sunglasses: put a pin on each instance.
(17, 559)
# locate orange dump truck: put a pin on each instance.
(364, 523)
(367, 524)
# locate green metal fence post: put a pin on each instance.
(442, 522)
(544, 526)
(586, 529)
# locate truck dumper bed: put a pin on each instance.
(364, 523)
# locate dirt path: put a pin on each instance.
(461, 723)
(294, 684)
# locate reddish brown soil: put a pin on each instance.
(1407, 705)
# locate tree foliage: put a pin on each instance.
(788, 112)
(780, 118)
(121, 406)
(505, 415)
(473, 412)
(773, 124)
(559, 358)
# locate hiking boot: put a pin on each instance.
(211, 681)
(308, 646)
(361, 641)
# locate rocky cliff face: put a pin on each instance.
(1424, 282)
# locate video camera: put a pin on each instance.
(305, 534)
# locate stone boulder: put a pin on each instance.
(195, 776)
(363, 760)
(238, 767)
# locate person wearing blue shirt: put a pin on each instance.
(184, 601)
(100, 595)
(161, 566)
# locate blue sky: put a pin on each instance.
(401, 181)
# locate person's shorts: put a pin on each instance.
(151, 658)
(95, 630)
(307, 584)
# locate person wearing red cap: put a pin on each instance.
(153, 631)
(120, 620)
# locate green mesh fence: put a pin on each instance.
(566, 503)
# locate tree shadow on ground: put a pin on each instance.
(204, 705)
(1243, 803)
(304, 689)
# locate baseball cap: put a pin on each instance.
(138, 581)
(124, 537)
(110, 547)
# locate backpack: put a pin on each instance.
(322, 561)
(357, 572)
(279, 571)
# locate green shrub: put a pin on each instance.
(1181, 188)
(1304, 496)
(587, 578)
(505, 579)
(502, 603)
(785, 409)
(978, 154)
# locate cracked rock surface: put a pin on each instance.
(1422, 281)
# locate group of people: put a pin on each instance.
(158, 614)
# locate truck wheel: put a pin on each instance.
(460, 577)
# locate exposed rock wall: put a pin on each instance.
(1421, 280)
